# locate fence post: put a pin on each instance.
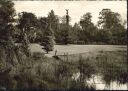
(67, 56)
(55, 52)
(64, 56)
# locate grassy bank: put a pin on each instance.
(38, 71)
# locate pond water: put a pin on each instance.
(100, 85)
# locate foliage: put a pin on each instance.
(75, 33)
(54, 21)
(63, 19)
(110, 29)
(64, 34)
(110, 23)
(48, 41)
(104, 36)
(37, 55)
(27, 24)
(7, 47)
(51, 20)
(19, 70)
(89, 30)
(45, 72)
(108, 19)
(42, 24)
(7, 13)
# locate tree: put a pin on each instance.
(28, 26)
(63, 19)
(108, 19)
(43, 21)
(89, 29)
(64, 34)
(65, 27)
(48, 39)
(119, 35)
(75, 33)
(104, 36)
(7, 13)
(8, 58)
(54, 21)
(111, 22)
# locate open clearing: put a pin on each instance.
(77, 49)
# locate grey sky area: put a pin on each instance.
(76, 8)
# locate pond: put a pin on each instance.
(100, 84)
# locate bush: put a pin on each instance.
(37, 55)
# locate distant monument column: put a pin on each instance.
(67, 28)
(67, 17)
(67, 40)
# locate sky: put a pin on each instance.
(76, 8)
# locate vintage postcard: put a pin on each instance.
(63, 45)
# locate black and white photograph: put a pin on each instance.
(63, 45)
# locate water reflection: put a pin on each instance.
(100, 84)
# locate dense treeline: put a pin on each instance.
(28, 28)
(110, 29)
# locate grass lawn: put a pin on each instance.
(77, 49)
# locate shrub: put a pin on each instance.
(37, 55)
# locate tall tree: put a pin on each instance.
(48, 41)
(54, 21)
(64, 36)
(65, 27)
(108, 19)
(7, 48)
(63, 19)
(27, 24)
(43, 21)
(75, 33)
(89, 29)
(111, 22)
(7, 13)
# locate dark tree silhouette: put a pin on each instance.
(48, 41)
